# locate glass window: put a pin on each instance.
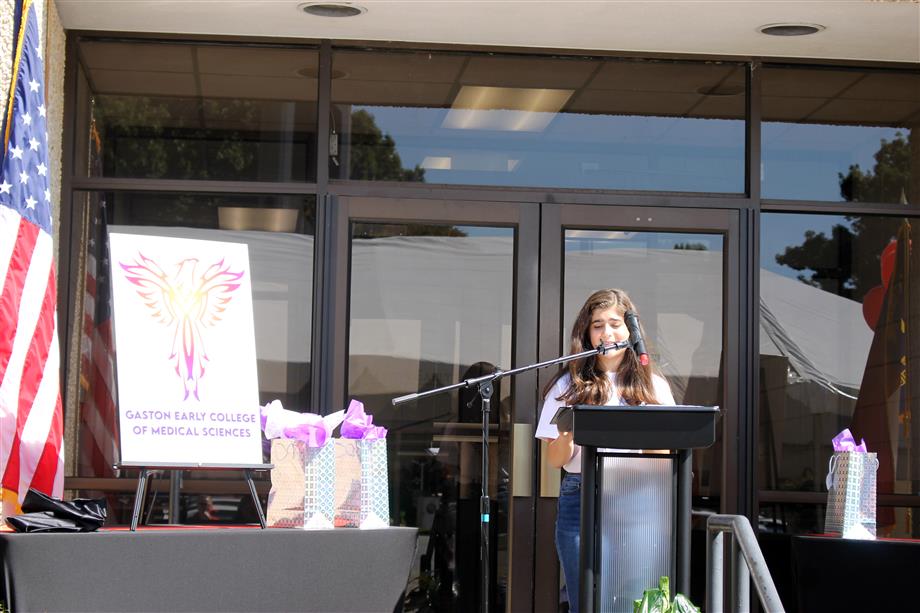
(529, 121)
(837, 349)
(200, 111)
(675, 282)
(431, 305)
(278, 231)
(840, 135)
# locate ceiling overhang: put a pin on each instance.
(855, 30)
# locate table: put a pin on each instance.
(835, 574)
(229, 569)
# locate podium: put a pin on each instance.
(635, 508)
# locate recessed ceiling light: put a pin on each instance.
(332, 9)
(516, 109)
(790, 29)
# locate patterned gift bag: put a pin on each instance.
(375, 492)
(851, 494)
(303, 485)
(347, 511)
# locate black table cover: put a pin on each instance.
(835, 574)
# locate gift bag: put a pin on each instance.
(322, 482)
(361, 486)
(303, 485)
(347, 506)
(375, 490)
(371, 450)
(851, 494)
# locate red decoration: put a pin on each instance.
(887, 259)
(872, 305)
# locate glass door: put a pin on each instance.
(680, 267)
(436, 293)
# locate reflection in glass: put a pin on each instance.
(199, 111)
(676, 283)
(281, 262)
(506, 120)
(836, 344)
(840, 135)
(431, 305)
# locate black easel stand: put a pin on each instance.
(484, 386)
(146, 471)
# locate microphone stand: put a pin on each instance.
(484, 387)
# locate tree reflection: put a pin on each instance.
(846, 263)
(374, 155)
(164, 137)
(890, 179)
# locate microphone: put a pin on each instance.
(638, 345)
(602, 349)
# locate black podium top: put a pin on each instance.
(645, 426)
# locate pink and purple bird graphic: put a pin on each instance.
(188, 302)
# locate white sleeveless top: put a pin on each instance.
(547, 431)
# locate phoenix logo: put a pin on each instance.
(187, 302)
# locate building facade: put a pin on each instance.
(421, 212)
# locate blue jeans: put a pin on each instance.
(568, 533)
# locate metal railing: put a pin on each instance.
(746, 562)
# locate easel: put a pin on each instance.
(147, 469)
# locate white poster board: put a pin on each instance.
(185, 352)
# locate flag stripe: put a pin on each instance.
(104, 415)
(92, 455)
(18, 269)
(37, 352)
(9, 229)
(50, 467)
(42, 428)
(98, 435)
(31, 425)
(10, 302)
(90, 278)
(103, 400)
(31, 342)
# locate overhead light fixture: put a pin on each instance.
(436, 162)
(332, 9)
(478, 162)
(516, 109)
(790, 29)
(255, 218)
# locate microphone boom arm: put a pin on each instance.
(499, 373)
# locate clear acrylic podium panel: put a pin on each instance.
(637, 531)
(636, 507)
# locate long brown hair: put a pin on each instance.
(589, 383)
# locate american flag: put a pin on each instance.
(31, 425)
(97, 368)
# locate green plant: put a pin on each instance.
(657, 600)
